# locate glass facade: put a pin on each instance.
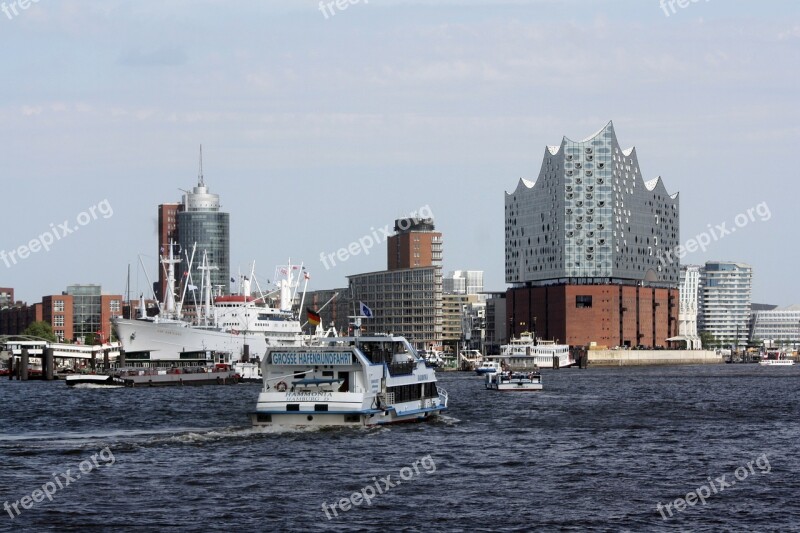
(211, 231)
(590, 215)
(86, 310)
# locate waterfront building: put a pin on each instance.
(589, 248)
(92, 312)
(496, 322)
(725, 293)
(689, 306)
(16, 318)
(76, 315)
(406, 299)
(777, 327)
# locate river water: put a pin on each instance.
(597, 450)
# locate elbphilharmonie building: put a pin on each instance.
(589, 248)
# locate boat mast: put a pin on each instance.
(169, 265)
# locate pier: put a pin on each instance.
(26, 358)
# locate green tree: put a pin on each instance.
(707, 339)
(42, 330)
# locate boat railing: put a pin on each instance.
(443, 396)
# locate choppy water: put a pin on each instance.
(597, 450)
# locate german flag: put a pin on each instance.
(313, 317)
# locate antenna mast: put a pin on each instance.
(201, 182)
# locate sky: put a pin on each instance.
(320, 126)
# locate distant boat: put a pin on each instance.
(527, 353)
(776, 358)
(514, 381)
(488, 367)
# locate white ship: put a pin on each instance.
(347, 381)
(528, 353)
(514, 381)
(231, 329)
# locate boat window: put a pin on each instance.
(345, 386)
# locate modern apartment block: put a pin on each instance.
(725, 293)
(463, 282)
(689, 306)
(777, 327)
(588, 248)
(406, 299)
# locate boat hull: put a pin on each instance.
(181, 380)
(166, 341)
(343, 419)
(96, 380)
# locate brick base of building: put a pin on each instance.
(609, 315)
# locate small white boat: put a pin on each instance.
(776, 362)
(347, 381)
(514, 381)
(97, 380)
(488, 367)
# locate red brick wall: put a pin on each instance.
(556, 317)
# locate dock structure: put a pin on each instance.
(34, 358)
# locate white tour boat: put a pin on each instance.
(776, 362)
(526, 352)
(514, 381)
(347, 381)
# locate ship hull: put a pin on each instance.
(167, 341)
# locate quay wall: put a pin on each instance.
(653, 357)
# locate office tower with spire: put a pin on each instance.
(200, 221)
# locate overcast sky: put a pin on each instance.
(318, 131)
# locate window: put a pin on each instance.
(58, 321)
(58, 306)
(582, 302)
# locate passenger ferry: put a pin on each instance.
(514, 381)
(527, 353)
(347, 381)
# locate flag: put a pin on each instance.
(192, 287)
(313, 317)
(365, 311)
(233, 280)
(306, 275)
